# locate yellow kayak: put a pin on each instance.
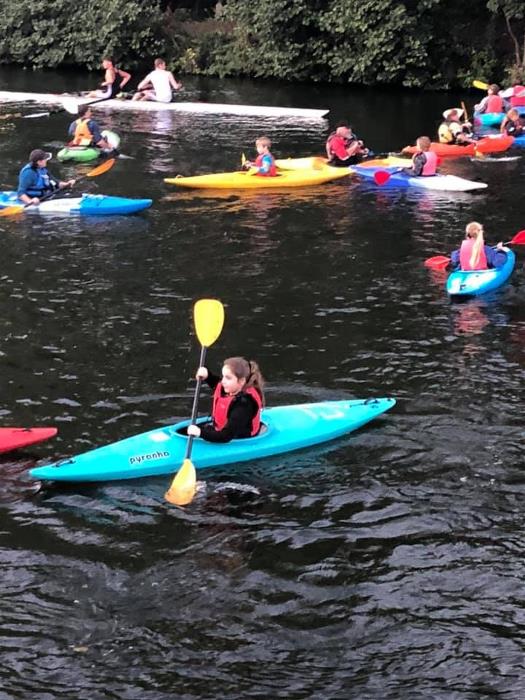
(292, 172)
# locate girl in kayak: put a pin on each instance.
(343, 148)
(512, 124)
(237, 401)
(114, 80)
(264, 163)
(34, 180)
(452, 132)
(424, 161)
(474, 254)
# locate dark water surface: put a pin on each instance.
(385, 565)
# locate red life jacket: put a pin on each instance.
(259, 162)
(222, 403)
(431, 164)
(464, 256)
(494, 104)
(517, 101)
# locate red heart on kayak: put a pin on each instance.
(381, 177)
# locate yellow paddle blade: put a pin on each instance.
(183, 486)
(208, 315)
(480, 85)
(13, 209)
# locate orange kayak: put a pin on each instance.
(488, 144)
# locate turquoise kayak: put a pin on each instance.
(88, 204)
(161, 451)
(475, 282)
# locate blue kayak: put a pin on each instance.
(161, 451)
(488, 118)
(89, 204)
(475, 282)
(439, 183)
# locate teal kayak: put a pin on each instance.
(161, 451)
(465, 283)
(85, 154)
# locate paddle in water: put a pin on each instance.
(19, 208)
(208, 315)
(440, 262)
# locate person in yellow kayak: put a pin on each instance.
(85, 131)
(264, 164)
(452, 131)
(238, 399)
(114, 80)
(157, 86)
(35, 181)
(424, 161)
(343, 148)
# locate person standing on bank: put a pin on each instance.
(157, 86)
(34, 180)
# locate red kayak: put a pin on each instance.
(488, 144)
(14, 438)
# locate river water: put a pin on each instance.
(388, 564)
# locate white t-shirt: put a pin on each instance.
(160, 79)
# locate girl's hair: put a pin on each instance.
(264, 141)
(423, 143)
(249, 370)
(475, 230)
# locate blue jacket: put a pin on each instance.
(35, 182)
(495, 258)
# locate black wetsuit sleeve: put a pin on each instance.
(239, 423)
(212, 380)
(419, 163)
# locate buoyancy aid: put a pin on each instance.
(517, 101)
(222, 403)
(83, 135)
(259, 164)
(466, 251)
(494, 104)
(42, 183)
(431, 164)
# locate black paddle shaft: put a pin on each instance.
(195, 406)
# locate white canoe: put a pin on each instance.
(195, 107)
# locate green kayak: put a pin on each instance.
(85, 154)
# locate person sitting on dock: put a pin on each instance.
(343, 148)
(238, 399)
(424, 161)
(264, 164)
(160, 82)
(114, 80)
(492, 102)
(451, 131)
(85, 131)
(34, 180)
(513, 124)
(474, 254)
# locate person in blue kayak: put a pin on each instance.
(493, 102)
(114, 80)
(35, 181)
(85, 131)
(238, 399)
(264, 164)
(424, 161)
(343, 148)
(474, 254)
(452, 131)
(513, 124)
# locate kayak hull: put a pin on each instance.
(146, 106)
(16, 438)
(440, 183)
(317, 174)
(85, 154)
(488, 118)
(87, 205)
(161, 451)
(475, 282)
(494, 143)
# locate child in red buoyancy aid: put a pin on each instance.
(474, 254)
(237, 401)
(264, 162)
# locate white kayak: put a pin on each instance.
(194, 107)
